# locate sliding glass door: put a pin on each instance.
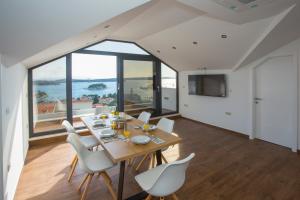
(139, 86)
(94, 84)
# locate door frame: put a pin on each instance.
(156, 81)
(295, 62)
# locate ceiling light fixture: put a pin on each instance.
(224, 36)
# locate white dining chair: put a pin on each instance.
(144, 117)
(88, 142)
(91, 162)
(166, 125)
(164, 180)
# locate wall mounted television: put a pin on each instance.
(213, 85)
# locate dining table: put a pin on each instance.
(121, 148)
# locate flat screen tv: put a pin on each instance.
(207, 85)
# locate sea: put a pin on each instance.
(58, 91)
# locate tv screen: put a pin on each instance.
(207, 85)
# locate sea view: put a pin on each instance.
(57, 89)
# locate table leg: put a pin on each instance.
(158, 157)
(121, 180)
(142, 195)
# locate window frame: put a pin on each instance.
(120, 57)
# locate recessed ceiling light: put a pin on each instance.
(173, 47)
(158, 51)
(233, 7)
(107, 26)
(195, 42)
(224, 36)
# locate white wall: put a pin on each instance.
(1, 146)
(14, 130)
(238, 103)
(212, 110)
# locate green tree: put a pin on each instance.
(41, 96)
(95, 99)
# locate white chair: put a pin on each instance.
(166, 125)
(88, 141)
(92, 162)
(165, 179)
(144, 117)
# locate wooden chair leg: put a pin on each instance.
(72, 170)
(153, 160)
(131, 161)
(73, 161)
(164, 158)
(82, 183)
(89, 179)
(161, 198)
(141, 162)
(149, 197)
(106, 176)
(108, 183)
(174, 196)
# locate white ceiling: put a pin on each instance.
(30, 26)
(212, 51)
(162, 24)
(265, 8)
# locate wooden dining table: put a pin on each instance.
(122, 150)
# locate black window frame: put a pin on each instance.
(120, 93)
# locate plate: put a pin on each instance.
(107, 133)
(98, 122)
(140, 139)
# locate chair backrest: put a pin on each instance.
(171, 178)
(166, 125)
(144, 117)
(80, 149)
(68, 126)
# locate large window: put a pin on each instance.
(168, 89)
(117, 47)
(110, 74)
(94, 84)
(49, 96)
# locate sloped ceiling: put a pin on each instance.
(28, 27)
(160, 25)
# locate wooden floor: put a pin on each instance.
(226, 167)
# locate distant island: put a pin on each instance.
(97, 86)
(63, 81)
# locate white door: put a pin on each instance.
(276, 101)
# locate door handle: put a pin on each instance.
(258, 99)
